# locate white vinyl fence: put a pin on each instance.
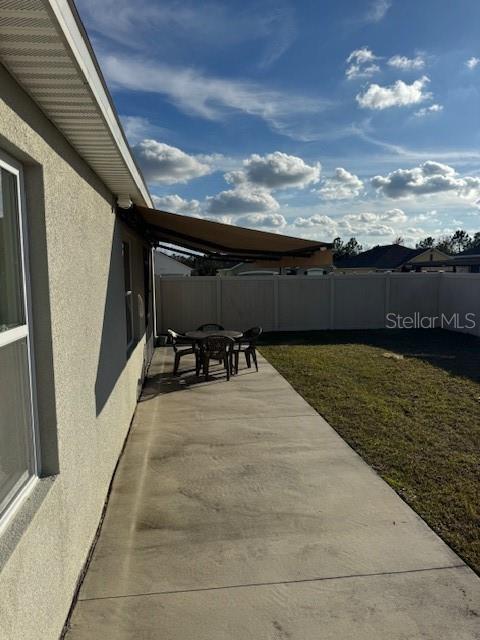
(302, 303)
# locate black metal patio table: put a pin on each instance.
(201, 335)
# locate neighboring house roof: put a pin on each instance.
(165, 265)
(233, 269)
(44, 45)
(458, 261)
(473, 251)
(390, 256)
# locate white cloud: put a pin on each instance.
(277, 24)
(407, 64)
(241, 200)
(366, 224)
(427, 216)
(355, 71)
(316, 220)
(377, 10)
(169, 25)
(424, 111)
(472, 62)
(355, 224)
(363, 55)
(137, 128)
(163, 164)
(426, 179)
(398, 94)
(342, 186)
(275, 171)
(271, 220)
(210, 97)
(176, 204)
(394, 215)
(361, 64)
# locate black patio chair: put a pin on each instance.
(182, 346)
(247, 345)
(211, 326)
(218, 348)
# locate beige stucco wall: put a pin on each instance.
(87, 387)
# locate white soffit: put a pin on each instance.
(44, 46)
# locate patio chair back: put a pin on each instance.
(247, 345)
(252, 335)
(187, 347)
(174, 336)
(211, 326)
(218, 348)
(177, 339)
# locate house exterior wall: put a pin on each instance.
(320, 258)
(87, 384)
(166, 266)
(428, 255)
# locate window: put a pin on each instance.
(127, 275)
(17, 436)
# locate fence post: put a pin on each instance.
(332, 301)
(438, 298)
(387, 296)
(159, 315)
(218, 300)
(275, 303)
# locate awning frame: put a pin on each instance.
(157, 234)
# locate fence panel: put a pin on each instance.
(459, 301)
(414, 295)
(303, 303)
(185, 303)
(299, 303)
(248, 302)
(359, 301)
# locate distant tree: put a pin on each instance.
(399, 240)
(343, 249)
(426, 243)
(202, 265)
(460, 241)
(476, 240)
(445, 244)
(337, 247)
(352, 247)
(456, 243)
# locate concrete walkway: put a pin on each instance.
(237, 513)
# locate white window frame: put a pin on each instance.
(10, 504)
(128, 292)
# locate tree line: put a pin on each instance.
(459, 241)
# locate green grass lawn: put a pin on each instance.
(414, 419)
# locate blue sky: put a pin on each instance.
(315, 119)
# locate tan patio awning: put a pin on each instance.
(215, 238)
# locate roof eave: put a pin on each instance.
(79, 44)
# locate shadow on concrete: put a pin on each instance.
(457, 353)
(165, 382)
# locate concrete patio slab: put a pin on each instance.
(238, 514)
(427, 605)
